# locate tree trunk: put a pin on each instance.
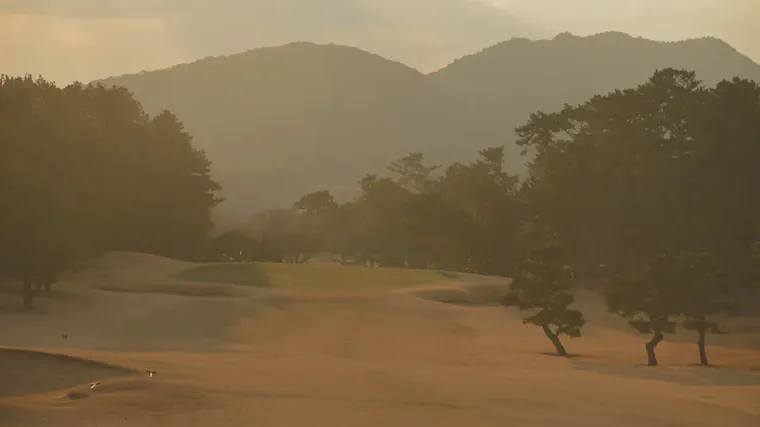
(701, 344)
(650, 346)
(28, 293)
(555, 340)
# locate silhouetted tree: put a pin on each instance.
(345, 232)
(84, 170)
(381, 206)
(236, 246)
(412, 174)
(756, 264)
(439, 231)
(705, 290)
(665, 167)
(650, 301)
(315, 217)
(542, 283)
(468, 218)
(290, 233)
(316, 202)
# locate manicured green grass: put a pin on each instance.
(336, 276)
(318, 275)
(240, 274)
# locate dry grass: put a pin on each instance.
(329, 345)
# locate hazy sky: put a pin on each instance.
(68, 40)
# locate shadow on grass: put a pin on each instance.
(239, 274)
(450, 274)
(569, 356)
(689, 375)
(467, 295)
(29, 372)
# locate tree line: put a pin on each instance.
(84, 170)
(652, 191)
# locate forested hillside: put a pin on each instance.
(514, 78)
(281, 121)
(278, 121)
(654, 188)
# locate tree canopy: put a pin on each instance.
(84, 170)
(667, 167)
(652, 188)
(542, 284)
(663, 168)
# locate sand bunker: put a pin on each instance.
(25, 372)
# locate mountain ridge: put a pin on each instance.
(281, 121)
(605, 36)
(558, 36)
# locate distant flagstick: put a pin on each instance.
(97, 383)
(3, 79)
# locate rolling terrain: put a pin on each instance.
(323, 344)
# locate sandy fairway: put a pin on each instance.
(229, 355)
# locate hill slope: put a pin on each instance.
(515, 78)
(279, 122)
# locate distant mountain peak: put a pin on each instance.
(275, 120)
(618, 36)
(611, 42)
(565, 35)
(293, 54)
(611, 35)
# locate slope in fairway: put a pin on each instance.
(327, 345)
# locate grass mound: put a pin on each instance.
(171, 288)
(125, 262)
